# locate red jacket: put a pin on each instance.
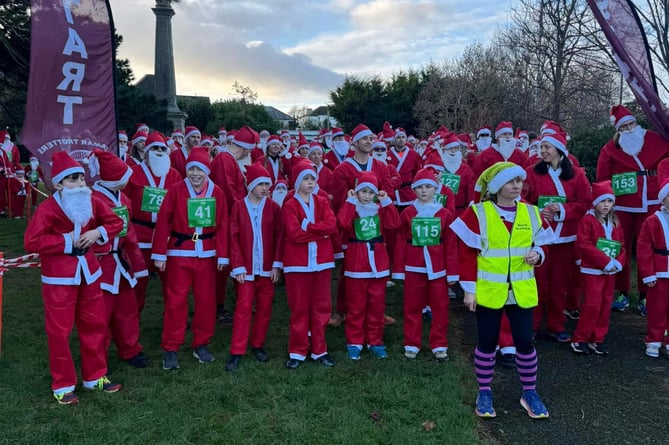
(278, 168)
(325, 179)
(178, 160)
(407, 166)
(346, 174)
(652, 247)
(465, 193)
(593, 260)
(226, 173)
(490, 156)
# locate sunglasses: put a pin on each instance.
(379, 149)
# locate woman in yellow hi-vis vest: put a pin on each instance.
(500, 244)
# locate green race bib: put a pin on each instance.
(367, 228)
(33, 176)
(425, 231)
(624, 183)
(122, 212)
(609, 247)
(152, 199)
(441, 199)
(544, 200)
(201, 212)
(451, 181)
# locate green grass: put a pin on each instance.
(370, 401)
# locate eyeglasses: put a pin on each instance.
(158, 148)
(379, 149)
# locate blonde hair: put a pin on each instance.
(612, 216)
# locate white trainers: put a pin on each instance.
(653, 350)
(410, 355)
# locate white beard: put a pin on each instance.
(159, 163)
(77, 204)
(122, 151)
(380, 156)
(263, 144)
(340, 147)
(34, 165)
(632, 141)
(453, 161)
(525, 146)
(243, 162)
(278, 195)
(506, 148)
(365, 210)
(483, 143)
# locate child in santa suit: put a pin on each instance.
(366, 264)
(121, 260)
(18, 189)
(190, 244)
(308, 260)
(653, 247)
(429, 257)
(35, 175)
(62, 231)
(256, 229)
(600, 245)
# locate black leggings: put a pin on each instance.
(488, 322)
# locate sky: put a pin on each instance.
(294, 52)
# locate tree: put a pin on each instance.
(654, 15)
(236, 113)
(15, 57)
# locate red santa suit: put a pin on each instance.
(332, 160)
(178, 160)
(325, 176)
(34, 178)
(18, 189)
(276, 166)
(192, 255)
(407, 162)
(491, 156)
(71, 289)
(6, 170)
(346, 174)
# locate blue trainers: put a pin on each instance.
(621, 302)
(353, 352)
(641, 305)
(484, 405)
(378, 351)
(560, 337)
(533, 405)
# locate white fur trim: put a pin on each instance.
(244, 145)
(361, 135)
(505, 176)
(664, 191)
(420, 182)
(200, 165)
(624, 120)
(555, 143)
(192, 132)
(362, 185)
(503, 130)
(601, 198)
(67, 172)
(483, 131)
(257, 181)
(123, 180)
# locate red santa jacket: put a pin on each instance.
(407, 164)
(175, 237)
(227, 174)
(124, 260)
(248, 243)
(13, 156)
(332, 160)
(593, 260)
(652, 246)
(491, 156)
(145, 222)
(465, 193)
(17, 187)
(178, 160)
(308, 228)
(48, 234)
(34, 176)
(577, 192)
(278, 168)
(613, 160)
(436, 261)
(346, 175)
(324, 178)
(366, 259)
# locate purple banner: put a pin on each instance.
(623, 30)
(71, 100)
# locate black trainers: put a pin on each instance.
(232, 364)
(508, 361)
(139, 361)
(573, 314)
(293, 363)
(598, 348)
(224, 317)
(202, 354)
(261, 355)
(326, 360)
(170, 360)
(579, 348)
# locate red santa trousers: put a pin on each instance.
(221, 285)
(143, 282)
(308, 295)
(593, 325)
(18, 205)
(553, 278)
(341, 305)
(182, 274)
(631, 224)
(575, 286)
(366, 299)
(261, 292)
(657, 307)
(123, 321)
(4, 189)
(418, 293)
(63, 307)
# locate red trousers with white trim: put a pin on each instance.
(260, 291)
(143, 282)
(221, 285)
(366, 299)
(593, 325)
(657, 307)
(308, 295)
(18, 205)
(63, 307)
(553, 278)
(419, 292)
(4, 188)
(123, 321)
(184, 273)
(631, 224)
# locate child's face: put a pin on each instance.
(365, 195)
(261, 190)
(604, 207)
(425, 193)
(307, 185)
(316, 157)
(197, 176)
(72, 182)
(512, 189)
(302, 151)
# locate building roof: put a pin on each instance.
(277, 115)
(320, 111)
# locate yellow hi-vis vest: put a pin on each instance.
(502, 258)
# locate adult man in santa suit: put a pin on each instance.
(178, 157)
(62, 231)
(630, 160)
(146, 189)
(190, 244)
(503, 151)
(407, 162)
(34, 175)
(9, 162)
(339, 151)
(276, 164)
(122, 145)
(460, 178)
(178, 138)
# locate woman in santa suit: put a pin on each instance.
(562, 194)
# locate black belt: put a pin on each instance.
(405, 184)
(646, 173)
(663, 252)
(124, 263)
(143, 223)
(181, 237)
(372, 241)
(78, 251)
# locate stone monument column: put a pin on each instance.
(164, 78)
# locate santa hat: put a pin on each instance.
(222, 130)
(256, 174)
(314, 146)
(483, 130)
(465, 138)
(230, 136)
(379, 144)
(520, 133)
(141, 127)
(177, 132)
(207, 141)
(360, 132)
(280, 183)
(274, 139)
(388, 132)
(551, 127)
(112, 170)
(300, 171)
(33, 157)
(620, 116)
(337, 132)
(139, 136)
(503, 127)
(451, 141)
(432, 160)
(284, 134)
(424, 177)
(493, 178)
(199, 157)
(367, 179)
(64, 165)
(601, 191)
(246, 137)
(192, 131)
(155, 139)
(122, 135)
(399, 131)
(302, 141)
(557, 140)
(664, 190)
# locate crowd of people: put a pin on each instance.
(509, 216)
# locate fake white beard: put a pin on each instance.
(381, 156)
(329, 143)
(420, 150)
(365, 210)
(506, 147)
(159, 163)
(534, 150)
(632, 141)
(452, 161)
(278, 195)
(483, 142)
(340, 147)
(263, 144)
(34, 165)
(525, 145)
(122, 151)
(77, 204)
(243, 162)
